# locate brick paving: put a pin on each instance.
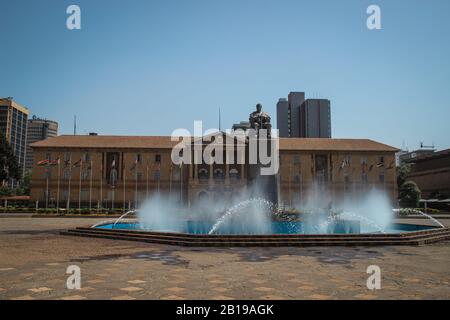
(34, 259)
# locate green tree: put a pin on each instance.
(9, 166)
(402, 174)
(409, 195)
(24, 185)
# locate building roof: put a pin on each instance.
(328, 144)
(164, 142)
(431, 156)
(107, 142)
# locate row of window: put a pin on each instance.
(347, 159)
(86, 157)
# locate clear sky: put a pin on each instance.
(144, 67)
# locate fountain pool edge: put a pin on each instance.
(276, 240)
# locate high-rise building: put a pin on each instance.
(283, 118)
(38, 129)
(295, 100)
(315, 119)
(13, 125)
(300, 118)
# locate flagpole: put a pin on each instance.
(46, 192)
(79, 188)
(135, 190)
(57, 191)
(170, 181)
(90, 189)
(70, 179)
(181, 182)
(146, 186)
(124, 192)
(101, 187)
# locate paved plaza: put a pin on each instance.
(34, 258)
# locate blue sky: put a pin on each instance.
(147, 67)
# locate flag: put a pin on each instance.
(371, 167)
(380, 164)
(43, 162)
(345, 163)
(113, 163)
(391, 165)
(54, 162)
(134, 165)
(78, 163)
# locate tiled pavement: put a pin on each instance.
(34, 258)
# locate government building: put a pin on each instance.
(122, 171)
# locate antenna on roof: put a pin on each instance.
(219, 120)
(74, 125)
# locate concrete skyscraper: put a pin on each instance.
(13, 125)
(283, 118)
(315, 119)
(38, 129)
(300, 118)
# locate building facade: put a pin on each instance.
(13, 125)
(295, 101)
(431, 172)
(38, 129)
(283, 118)
(315, 119)
(121, 171)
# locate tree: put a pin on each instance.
(402, 174)
(9, 166)
(24, 185)
(409, 195)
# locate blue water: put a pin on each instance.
(276, 227)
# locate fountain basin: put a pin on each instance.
(397, 234)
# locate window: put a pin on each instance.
(381, 160)
(113, 176)
(85, 175)
(363, 160)
(66, 174)
(157, 158)
(234, 174)
(138, 158)
(296, 159)
(86, 157)
(67, 156)
(203, 174)
(381, 178)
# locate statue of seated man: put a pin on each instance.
(260, 120)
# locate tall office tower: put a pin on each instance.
(283, 118)
(38, 129)
(295, 100)
(315, 119)
(13, 125)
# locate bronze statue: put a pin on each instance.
(260, 120)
